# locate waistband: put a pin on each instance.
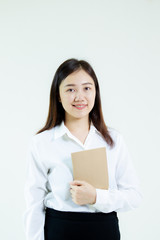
(80, 215)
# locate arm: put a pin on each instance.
(35, 191)
(126, 195)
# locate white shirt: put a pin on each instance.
(49, 173)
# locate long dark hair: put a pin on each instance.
(56, 113)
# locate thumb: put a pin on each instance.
(77, 182)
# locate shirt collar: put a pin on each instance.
(61, 130)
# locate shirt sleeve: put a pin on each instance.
(34, 192)
(127, 195)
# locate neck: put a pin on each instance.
(79, 125)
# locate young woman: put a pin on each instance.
(59, 207)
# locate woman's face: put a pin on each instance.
(77, 95)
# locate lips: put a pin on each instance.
(80, 106)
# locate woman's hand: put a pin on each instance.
(82, 192)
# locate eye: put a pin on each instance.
(87, 88)
(70, 90)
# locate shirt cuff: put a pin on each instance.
(101, 196)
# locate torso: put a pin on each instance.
(82, 138)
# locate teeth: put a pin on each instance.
(79, 106)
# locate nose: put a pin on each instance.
(79, 96)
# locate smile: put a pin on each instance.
(79, 106)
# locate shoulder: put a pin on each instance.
(116, 135)
(42, 138)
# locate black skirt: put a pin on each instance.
(81, 225)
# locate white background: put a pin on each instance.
(121, 40)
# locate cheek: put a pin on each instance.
(67, 99)
(91, 96)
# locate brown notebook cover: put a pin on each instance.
(91, 166)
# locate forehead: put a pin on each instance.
(79, 77)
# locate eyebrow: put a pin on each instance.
(69, 85)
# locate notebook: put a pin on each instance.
(91, 166)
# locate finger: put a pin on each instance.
(72, 192)
(73, 187)
(77, 182)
